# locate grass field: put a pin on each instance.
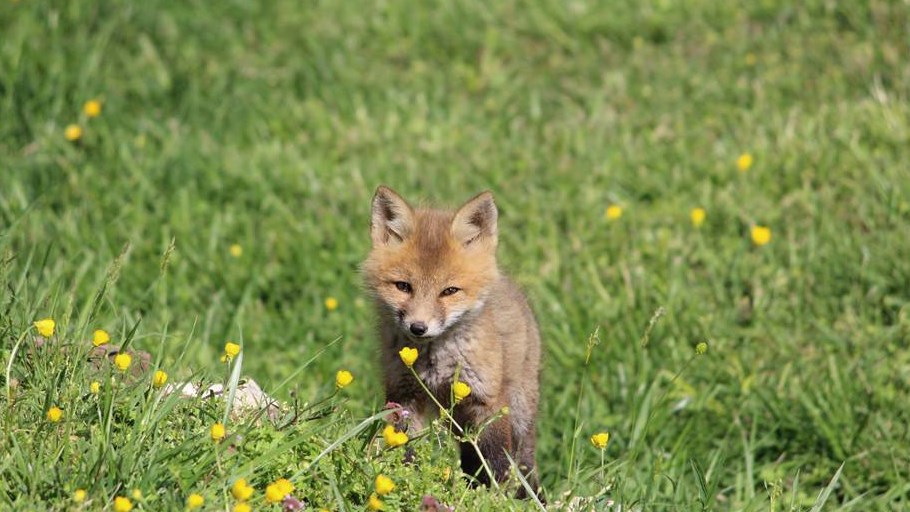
(222, 193)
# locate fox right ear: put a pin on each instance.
(392, 219)
(476, 220)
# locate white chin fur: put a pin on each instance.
(433, 331)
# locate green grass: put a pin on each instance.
(269, 125)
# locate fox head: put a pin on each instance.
(431, 268)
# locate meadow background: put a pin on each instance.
(268, 125)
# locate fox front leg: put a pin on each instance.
(494, 443)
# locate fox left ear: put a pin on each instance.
(476, 220)
(392, 218)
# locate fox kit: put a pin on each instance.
(434, 277)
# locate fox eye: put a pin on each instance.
(450, 291)
(403, 286)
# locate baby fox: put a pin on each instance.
(434, 278)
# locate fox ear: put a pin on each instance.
(476, 220)
(392, 219)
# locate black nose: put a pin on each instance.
(418, 328)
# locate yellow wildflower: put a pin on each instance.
(744, 162)
(613, 212)
(159, 379)
(242, 507)
(278, 490)
(236, 250)
(273, 494)
(600, 439)
(285, 485)
(331, 303)
(343, 378)
(73, 132)
(698, 216)
(375, 503)
(460, 390)
(701, 348)
(384, 485)
(231, 350)
(761, 235)
(217, 432)
(95, 387)
(123, 361)
(54, 414)
(194, 501)
(100, 337)
(92, 108)
(79, 495)
(122, 504)
(46, 327)
(137, 494)
(408, 355)
(394, 438)
(241, 490)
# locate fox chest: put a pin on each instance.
(439, 369)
